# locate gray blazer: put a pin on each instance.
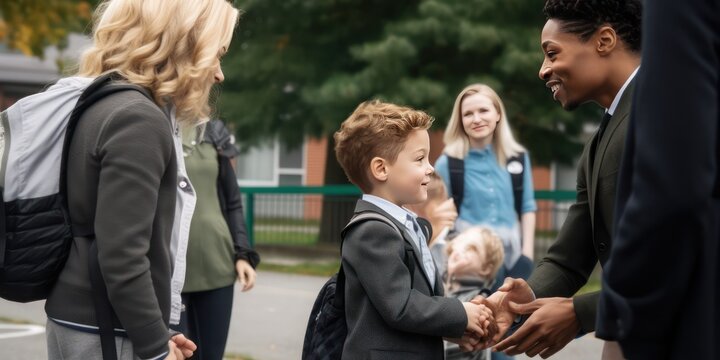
(386, 317)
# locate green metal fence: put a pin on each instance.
(314, 215)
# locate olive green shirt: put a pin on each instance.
(210, 254)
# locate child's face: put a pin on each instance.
(479, 118)
(409, 176)
(465, 260)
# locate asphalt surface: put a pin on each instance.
(268, 323)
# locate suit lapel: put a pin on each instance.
(363, 206)
(597, 156)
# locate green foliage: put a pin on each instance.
(31, 25)
(299, 67)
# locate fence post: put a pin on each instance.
(250, 218)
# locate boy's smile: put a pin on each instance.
(408, 178)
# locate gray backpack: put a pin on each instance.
(35, 228)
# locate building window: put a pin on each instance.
(272, 164)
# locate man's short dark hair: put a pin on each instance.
(584, 17)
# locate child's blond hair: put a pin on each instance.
(481, 240)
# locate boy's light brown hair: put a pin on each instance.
(375, 129)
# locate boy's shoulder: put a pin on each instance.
(368, 215)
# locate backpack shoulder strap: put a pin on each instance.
(456, 167)
(516, 167)
(100, 87)
(369, 215)
(220, 137)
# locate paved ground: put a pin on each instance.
(268, 323)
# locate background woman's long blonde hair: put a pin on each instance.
(170, 47)
(457, 142)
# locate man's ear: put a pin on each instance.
(606, 40)
(378, 169)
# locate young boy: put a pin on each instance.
(391, 311)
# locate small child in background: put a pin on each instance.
(474, 258)
(441, 213)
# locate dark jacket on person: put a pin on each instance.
(228, 191)
(586, 234)
(392, 313)
(122, 182)
(661, 287)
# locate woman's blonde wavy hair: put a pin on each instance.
(170, 47)
(457, 143)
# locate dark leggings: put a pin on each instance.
(206, 321)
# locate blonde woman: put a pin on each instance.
(129, 199)
(482, 153)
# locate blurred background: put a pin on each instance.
(297, 68)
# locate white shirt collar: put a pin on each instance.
(616, 101)
(395, 211)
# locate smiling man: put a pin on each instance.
(592, 52)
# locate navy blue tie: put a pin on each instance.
(603, 125)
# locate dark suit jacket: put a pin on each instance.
(661, 286)
(585, 237)
(386, 318)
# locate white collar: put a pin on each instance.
(616, 101)
(399, 213)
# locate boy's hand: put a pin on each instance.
(490, 326)
(479, 318)
(468, 342)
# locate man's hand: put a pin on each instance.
(246, 274)
(551, 326)
(515, 290)
(184, 345)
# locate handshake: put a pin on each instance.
(550, 326)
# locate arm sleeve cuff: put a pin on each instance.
(586, 310)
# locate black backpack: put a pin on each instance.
(327, 329)
(35, 229)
